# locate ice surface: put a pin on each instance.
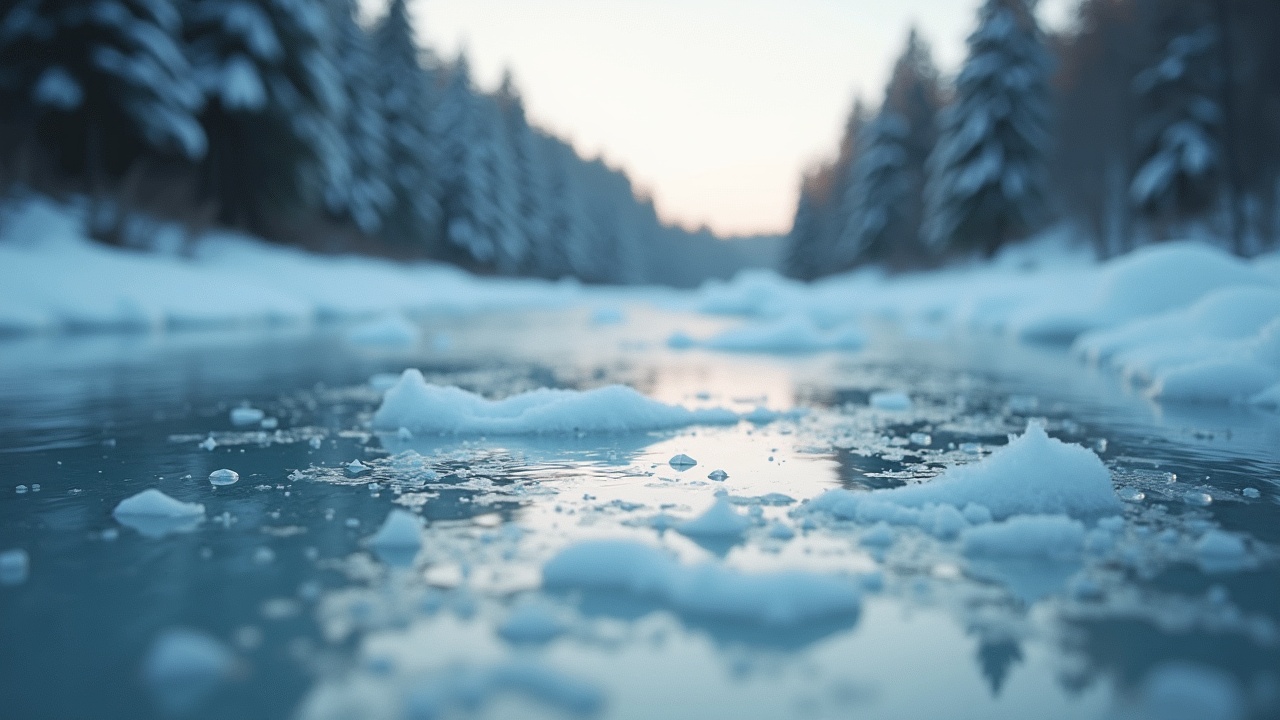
(387, 331)
(1055, 537)
(796, 333)
(772, 598)
(424, 408)
(154, 514)
(14, 566)
(184, 666)
(224, 477)
(1034, 474)
(718, 521)
(1188, 691)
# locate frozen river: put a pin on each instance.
(273, 604)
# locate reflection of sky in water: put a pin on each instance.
(278, 572)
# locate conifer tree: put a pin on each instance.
(272, 96)
(987, 175)
(408, 94)
(360, 191)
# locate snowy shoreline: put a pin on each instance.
(1185, 321)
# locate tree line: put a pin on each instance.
(1144, 120)
(291, 120)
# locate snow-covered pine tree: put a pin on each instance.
(566, 249)
(360, 193)
(102, 84)
(479, 197)
(408, 94)
(885, 198)
(530, 180)
(987, 175)
(272, 96)
(1179, 169)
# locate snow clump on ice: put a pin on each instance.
(414, 404)
(1033, 475)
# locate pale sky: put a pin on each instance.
(712, 106)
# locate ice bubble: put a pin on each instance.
(224, 477)
(890, 401)
(185, 666)
(14, 566)
(682, 462)
(718, 475)
(246, 416)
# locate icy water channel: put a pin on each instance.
(274, 606)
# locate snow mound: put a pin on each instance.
(795, 333)
(1053, 537)
(532, 621)
(1148, 281)
(1033, 475)
(777, 598)
(390, 330)
(414, 404)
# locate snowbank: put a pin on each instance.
(414, 404)
(54, 279)
(779, 598)
(1033, 475)
(1053, 537)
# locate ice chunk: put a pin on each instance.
(154, 514)
(718, 475)
(387, 331)
(532, 621)
(681, 462)
(780, 531)
(382, 382)
(14, 566)
(420, 407)
(1034, 474)
(776, 598)
(209, 443)
(185, 666)
(224, 477)
(720, 520)
(355, 467)
(246, 416)
(890, 401)
(401, 530)
(1054, 537)
(879, 536)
